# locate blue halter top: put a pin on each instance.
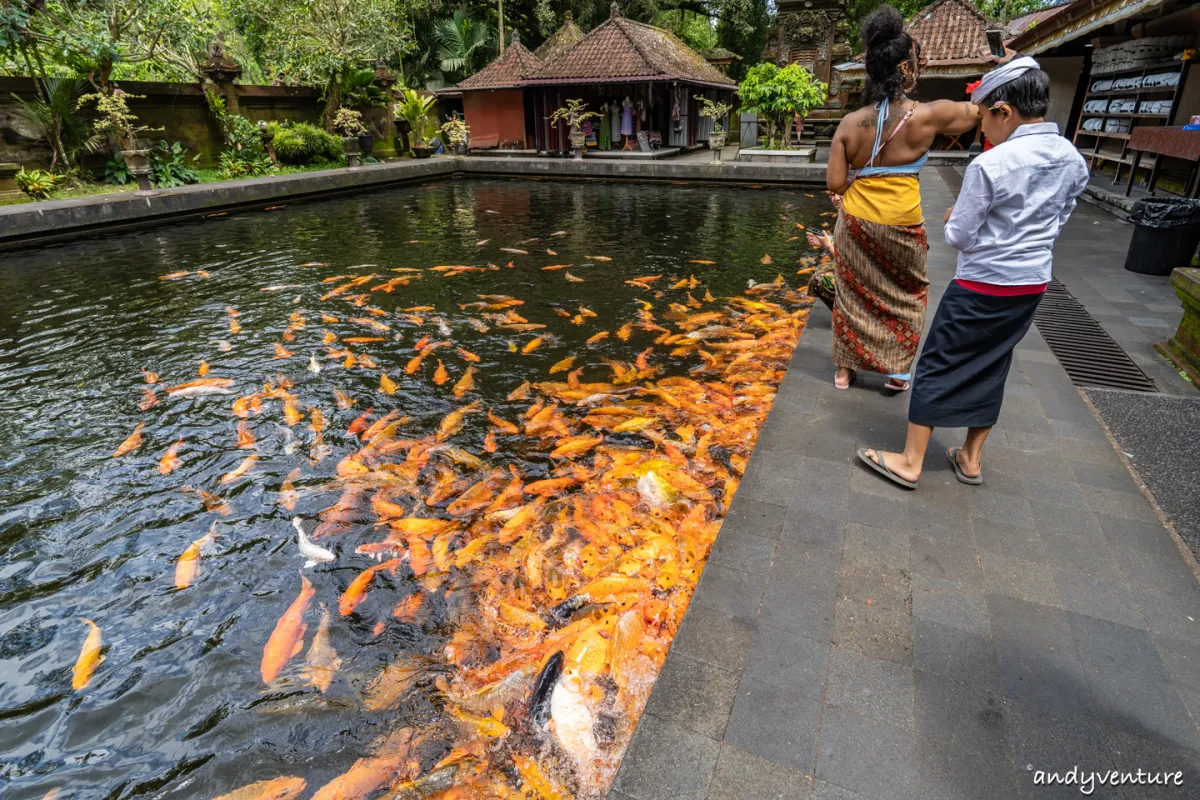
(898, 169)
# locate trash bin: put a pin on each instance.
(1165, 236)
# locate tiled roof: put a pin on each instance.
(561, 41)
(953, 30)
(719, 54)
(619, 48)
(1025, 22)
(506, 71)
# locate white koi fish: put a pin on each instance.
(313, 552)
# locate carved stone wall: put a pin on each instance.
(815, 34)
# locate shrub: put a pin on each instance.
(169, 167)
(302, 144)
(36, 183)
(239, 165)
(116, 171)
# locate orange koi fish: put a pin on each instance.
(599, 258)
(766, 259)
(601, 336)
(489, 442)
(440, 376)
(203, 369)
(364, 339)
(291, 412)
(557, 266)
(274, 789)
(387, 385)
(287, 640)
(408, 607)
(356, 592)
(701, 261)
(452, 422)
(504, 426)
(170, 460)
(89, 658)
(465, 384)
(625, 332)
(149, 399)
(201, 386)
(563, 366)
(242, 470)
(413, 365)
(174, 276)
(131, 443)
(519, 393)
(281, 351)
(574, 446)
(359, 425)
(467, 355)
(532, 345)
(188, 566)
(245, 438)
(344, 400)
(151, 377)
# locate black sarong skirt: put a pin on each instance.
(960, 376)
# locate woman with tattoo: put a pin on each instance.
(879, 240)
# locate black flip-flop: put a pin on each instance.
(882, 469)
(970, 480)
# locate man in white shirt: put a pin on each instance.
(1015, 198)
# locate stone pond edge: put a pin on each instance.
(31, 224)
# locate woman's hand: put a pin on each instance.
(820, 240)
(949, 211)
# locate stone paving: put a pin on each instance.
(849, 640)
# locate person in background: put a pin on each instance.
(879, 238)
(1014, 201)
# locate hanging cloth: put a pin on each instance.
(627, 120)
(605, 131)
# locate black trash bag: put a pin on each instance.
(1166, 212)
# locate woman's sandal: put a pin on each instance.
(897, 385)
(881, 467)
(837, 385)
(970, 480)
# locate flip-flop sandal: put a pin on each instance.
(970, 480)
(849, 383)
(881, 468)
(894, 386)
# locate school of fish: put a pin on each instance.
(555, 560)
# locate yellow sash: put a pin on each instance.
(886, 199)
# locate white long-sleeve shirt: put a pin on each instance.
(1015, 198)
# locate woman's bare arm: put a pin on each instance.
(951, 117)
(837, 173)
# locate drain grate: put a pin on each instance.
(1086, 351)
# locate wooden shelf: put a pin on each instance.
(1133, 92)
(1094, 115)
(1108, 157)
(1132, 70)
(1103, 134)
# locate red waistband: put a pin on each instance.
(997, 290)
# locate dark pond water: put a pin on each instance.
(178, 707)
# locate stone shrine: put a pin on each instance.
(816, 35)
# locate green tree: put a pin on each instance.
(57, 121)
(780, 95)
(464, 44)
(742, 29)
(319, 42)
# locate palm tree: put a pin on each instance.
(464, 44)
(57, 120)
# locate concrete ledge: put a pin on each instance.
(761, 155)
(26, 224)
(35, 223)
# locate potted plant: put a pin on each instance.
(415, 110)
(717, 112)
(118, 123)
(456, 134)
(348, 123)
(574, 114)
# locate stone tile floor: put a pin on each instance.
(849, 640)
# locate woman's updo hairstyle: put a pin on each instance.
(887, 46)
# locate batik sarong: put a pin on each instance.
(881, 295)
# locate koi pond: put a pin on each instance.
(399, 495)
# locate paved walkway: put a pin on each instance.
(849, 640)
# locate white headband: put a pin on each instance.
(1002, 75)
